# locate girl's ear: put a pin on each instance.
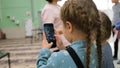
(69, 26)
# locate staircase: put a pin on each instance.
(23, 54)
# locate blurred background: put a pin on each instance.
(13, 14)
(12, 23)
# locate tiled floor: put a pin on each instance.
(23, 53)
(116, 65)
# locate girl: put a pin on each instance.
(106, 27)
(80, 18)
(51, 14)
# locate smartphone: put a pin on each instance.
(50, 35)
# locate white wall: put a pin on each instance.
(103, 4)
(61, 2)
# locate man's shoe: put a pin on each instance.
(118, 62)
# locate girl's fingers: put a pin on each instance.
(44, 36)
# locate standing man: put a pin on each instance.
(116, 19)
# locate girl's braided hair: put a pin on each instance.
(106, 26)
(84, 16)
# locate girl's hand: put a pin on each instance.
(45, 44)
(114, 30)
(115, 34)
(59, 42)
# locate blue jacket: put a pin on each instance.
(62, 59)
(107, 60)
(117, 25)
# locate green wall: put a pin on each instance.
(18, 9)
(0, 12)
(38, 5)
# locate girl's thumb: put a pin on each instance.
(51, 44)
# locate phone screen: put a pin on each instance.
(49, 31)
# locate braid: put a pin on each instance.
(83, 15)
(88, 49)
(99, 51)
